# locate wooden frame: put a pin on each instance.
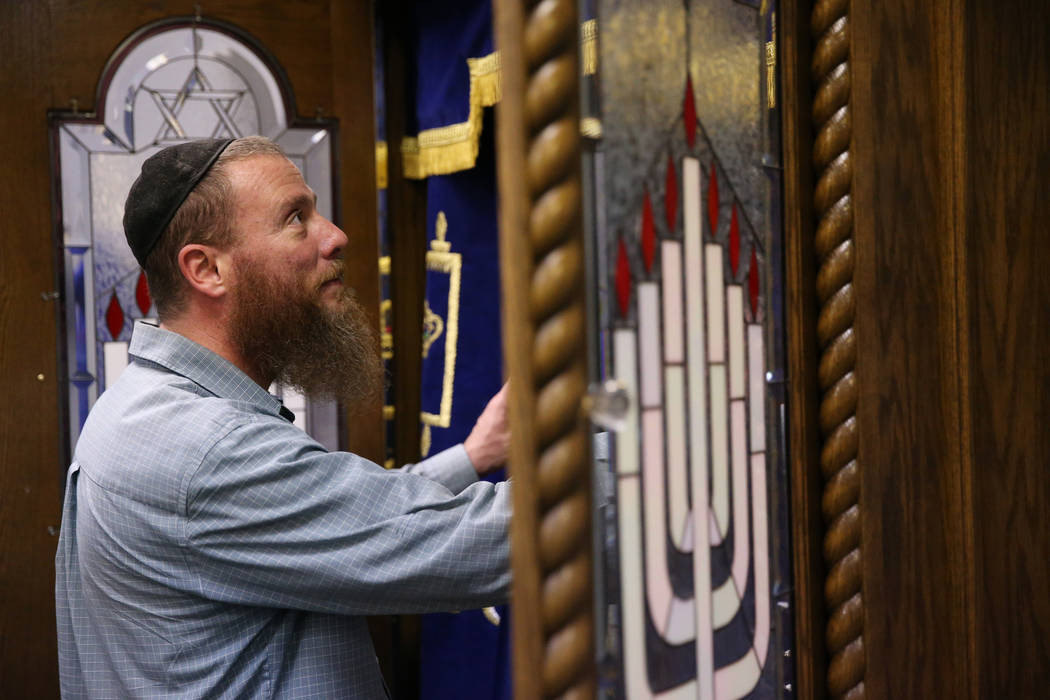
(822, 353)
(541, 259)
(824, 466)
(542, 274)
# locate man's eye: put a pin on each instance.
(297, 218)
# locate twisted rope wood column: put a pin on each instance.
(838, 405)
(541, 257)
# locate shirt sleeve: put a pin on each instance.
(274, 519)
(451, 467)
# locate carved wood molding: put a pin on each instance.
(541, 258)
(833, 244)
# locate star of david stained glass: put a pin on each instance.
(170, 81)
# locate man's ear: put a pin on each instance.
(204, 268)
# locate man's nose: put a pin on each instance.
(333, 241)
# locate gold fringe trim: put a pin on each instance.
(381, 165)
(449, 149)
(452, 148)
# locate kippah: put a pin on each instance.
(166, 180)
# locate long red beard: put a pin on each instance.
(284, 332)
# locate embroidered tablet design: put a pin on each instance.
(442, 261)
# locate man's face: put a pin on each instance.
(291, 316)
(277, 227)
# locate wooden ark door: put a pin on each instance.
(917, 148)
(915, 151)
(53, 55)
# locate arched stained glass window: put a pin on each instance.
(170, 81)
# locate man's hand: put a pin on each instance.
(489, 440)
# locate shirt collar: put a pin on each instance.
(181, 355)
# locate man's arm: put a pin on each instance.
(273, 519)
(484, 450)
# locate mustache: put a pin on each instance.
(333, 273)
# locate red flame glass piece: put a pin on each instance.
(752, 284)
(142, 298)
(114, 317)
(648, 233)
(734, 242)
(623, 279)
(712, 201)
(671, 195)
(689, 112)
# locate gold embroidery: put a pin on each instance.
(771, 64)
(424, 441)
(389, 464)
(433, 327)
(381, 165)
(440, 258)
(589, 46)
(440, 231)
(388, 413)
(386, 338)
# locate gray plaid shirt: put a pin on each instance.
(210, 548)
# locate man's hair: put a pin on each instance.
(205, 217)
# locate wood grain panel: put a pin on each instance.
(59, 48)
(906, 77)
(30, 477)
(407, 208)
(353, 102)
(397, 638)
(1007, 287)
(807, 483)
(85, 33)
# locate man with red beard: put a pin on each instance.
(209, 547)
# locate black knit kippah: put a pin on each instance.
(166, 180)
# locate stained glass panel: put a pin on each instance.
(687, 223)
(169, 82)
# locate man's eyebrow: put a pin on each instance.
(302, 198)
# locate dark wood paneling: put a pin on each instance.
(406, 207)
(353, 102)
(908, 198)
(30, 505)
(52, 52)
(804, 449)
(1007, 287)
(398, 638)
(85, 33)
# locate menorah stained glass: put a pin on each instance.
(687, 203)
